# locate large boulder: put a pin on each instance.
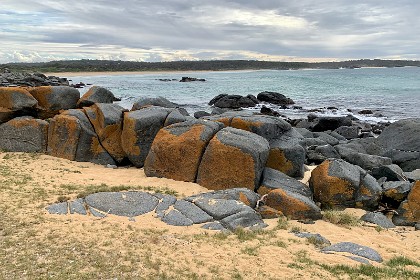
(96, 94)
(24, 134)
(391, 172)
(274, 98)
(273, 179)
(107, 120)
(71, 136)
(339, 183)
(409, 210)
(366, 161)
(293, 205)
(53, 99)
(177, 149)
(16, 99)
(139, 130)
(233, 159)
(287, 156)
(153, 101)
(265, 126)
(400, 141)
(330, 123)
(235, 102)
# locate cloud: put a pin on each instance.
(181, 29)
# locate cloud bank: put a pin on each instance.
(140, 30)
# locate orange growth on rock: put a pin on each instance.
(63, 137)
(129, 136)
(277, 160)
(290, 206)
(41, 94)
(247, 125)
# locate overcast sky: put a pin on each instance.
(32, 30)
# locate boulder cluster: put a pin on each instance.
(14, 79)
(236, 149)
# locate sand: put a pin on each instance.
(38, 245)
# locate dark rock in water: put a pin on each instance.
(392, 172)
(200, 114)
(246, 196)
(269, 112)
(378, 219)
(153, 101)
(129, 204)
(401, 142)
(318, 238)
(253, 98)
(96, 95)
(273, 179)
(217, 98)
(355, 249)
(330, 123)
(366, 112)
(189, 79)
(274, 98)
(234, 102)
(409, 210)
(395, 192)
(58, 208)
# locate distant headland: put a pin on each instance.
(87, 65)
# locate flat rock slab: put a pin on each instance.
(360, 260)
(378, 219)
(128, 204)
(244, 195)
(165, 202)
(220, 208)
(192, 212)
(58, 208)
(77, 207)
(355, 249)
(176, 218)
(318, 237)
(213, 226)
(248, 218)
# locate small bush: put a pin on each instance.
(341, 218)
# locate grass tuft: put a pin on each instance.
(341, 218)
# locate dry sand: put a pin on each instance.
(35, 244)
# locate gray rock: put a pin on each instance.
(127, 204)
(96, 94)
(200, 114)
(396, 192)
(330, 123)
(96, 213)
(273, 179)
(176, 218)
(53, 99)
(348, 132)
(153, 101)
(244, 219)
(192, 212)
(318, 154)
(165, 202)
(58, 208)
(176, 116)
(221, 208)
(392, 172)
(327, 138)
(413, 175)
(274, 98)
(308, 142)
(243, 195)
(377, 218)
(16, 99)
(235, 102)
(318, 237)
(271, 128)
(360, 260)
(77, 207)
(337, 136)
(366, 161)
(417, 226)
(214, 226)
(355, 249)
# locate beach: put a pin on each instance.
(36, 244)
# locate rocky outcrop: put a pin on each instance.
(189, 79)
(96, 94)
(153, 101)
(409, 210)
(24, 134)
(234, 158)
(233, 101)
(339, 183)
(14, 79)
(274, 98)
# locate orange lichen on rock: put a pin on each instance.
(245, 124)
(176, 156)
(16, 98)
(41, 94)
(63, 137)
(243, 198)
(277, 160)
(226, 167)
(412, 204)
(129, 136)
(267, 212)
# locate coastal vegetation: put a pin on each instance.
(87, 65)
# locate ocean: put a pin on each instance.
(392, 93)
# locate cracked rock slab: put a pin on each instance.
(354, 249)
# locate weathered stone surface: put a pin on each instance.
(409, 210)
(417, 226)
(214, 226)
(395, 192)
(244, 195)
(274, 98)
(267, 212)
(319, 239)
(339, 183)
(96, 213)
(192, 212)
(176, 116)
(366, 161)
(164, 203)
(273, 179)
(128, 204)
(58, 208)
(317, 154)
(326, 138)
(176, 218)
(233, 159)
(153, 101)
(220, 208)
(139, 130)
(378, 219)
(235, 102)
(287, 157)
(244, 219)
(392, 172)
(330, 123)
(401, 142)
(77, 207)
(71, 136)
(177, 149)
(53, 99)
(264, 126)
(6, 115)
(349, 132)
(354, 249)
(413, 175)
(293, 205)
(24, 134)
(94, 95)
(16, 98)
(107, 120)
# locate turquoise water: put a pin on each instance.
(392, 92)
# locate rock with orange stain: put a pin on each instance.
(14, 98)
(139, 130)
(409, 210)
(267, 212)
(6, 115)
(336, 182)
(94, 95)
(293, 205)
(265, 126)
(287, 157)
(71, 136)
(24, 134)
(176, 116)
(53, 99)
(107, 120)
(273, 179)
(177, 149)
(234, 158)
(153, 101)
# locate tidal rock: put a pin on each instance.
(378, 219)
(177, 150)
(274, 98)
(409, 210)
(349, 132)
(234, 102)
(330, 123)
(234, 158)
(24, 134)
(153, 101)
(96, 94)
(365, 161)
(53, 99)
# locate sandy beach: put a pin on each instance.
(34, 243)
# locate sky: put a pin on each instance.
(275, 30)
